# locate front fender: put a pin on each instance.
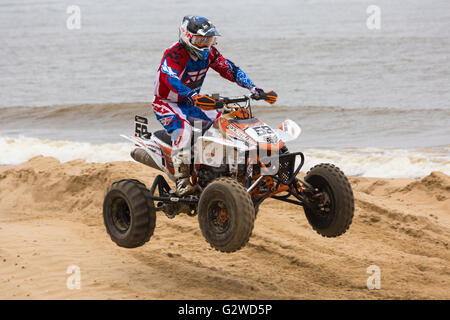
(288, 130)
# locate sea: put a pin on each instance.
(368, 82)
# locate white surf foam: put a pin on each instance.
(17, 150)
(383, 163)
(366, 162)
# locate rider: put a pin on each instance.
(179, 79)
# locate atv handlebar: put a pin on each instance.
(215, 101)
(221, 101)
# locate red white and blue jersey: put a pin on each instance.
(180, 76)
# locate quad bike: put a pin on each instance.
(228, 194)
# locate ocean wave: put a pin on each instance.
(17, 150)
(78, 110)
(126, 108)
(365, 162)
(383, 163)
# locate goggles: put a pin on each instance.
(203, 42)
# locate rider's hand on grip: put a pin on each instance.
(204, 102)
(259, 94)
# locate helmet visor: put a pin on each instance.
(203, 42)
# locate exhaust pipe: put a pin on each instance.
(140, 155)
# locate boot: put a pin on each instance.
(182, 174)
(184, 187)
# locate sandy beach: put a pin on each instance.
(51, 218)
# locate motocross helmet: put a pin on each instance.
(197, 34)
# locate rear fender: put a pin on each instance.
(153, 149)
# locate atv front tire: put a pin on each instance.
(128, 213)
(226, 215)
(337, 201)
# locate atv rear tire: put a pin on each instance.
(340, 203)
(226, 215)
(128, 213)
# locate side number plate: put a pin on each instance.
(140, 128)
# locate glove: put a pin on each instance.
(259, 94)
(189, 98)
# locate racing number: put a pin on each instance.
(141, 127)
(141, 130)
(262, 130)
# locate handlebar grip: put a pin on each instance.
(255, 96)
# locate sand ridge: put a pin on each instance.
(51, 218)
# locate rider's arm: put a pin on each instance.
(229, 70)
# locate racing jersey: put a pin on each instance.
(180, 76)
